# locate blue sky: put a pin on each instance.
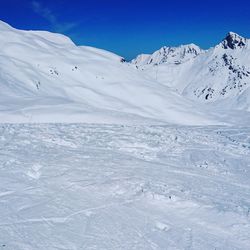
(131, 27)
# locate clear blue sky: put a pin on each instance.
(131, 27)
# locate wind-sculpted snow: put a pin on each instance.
(124, 187)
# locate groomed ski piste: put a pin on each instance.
(100, 154)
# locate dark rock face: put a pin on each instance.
(233, 41)
(236, 78)
(122, 60)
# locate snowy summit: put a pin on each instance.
(234, 41)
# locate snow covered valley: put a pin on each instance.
(99, 153)
(124, 187)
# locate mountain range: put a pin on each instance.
(45, 77)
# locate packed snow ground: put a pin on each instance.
(124, 187)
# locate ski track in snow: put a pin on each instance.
(124, 187)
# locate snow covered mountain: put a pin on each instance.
(45, 77)
(174, 55)
(220, 75)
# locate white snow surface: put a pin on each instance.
(124, 187)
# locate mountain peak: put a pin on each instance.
(233, 41)
(173, 55)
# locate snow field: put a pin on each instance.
(124, 187)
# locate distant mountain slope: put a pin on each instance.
(220, 74)
(45, 77)
(174, 55)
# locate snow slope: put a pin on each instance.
(220, 75)
(124, 187)
(45, 77)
